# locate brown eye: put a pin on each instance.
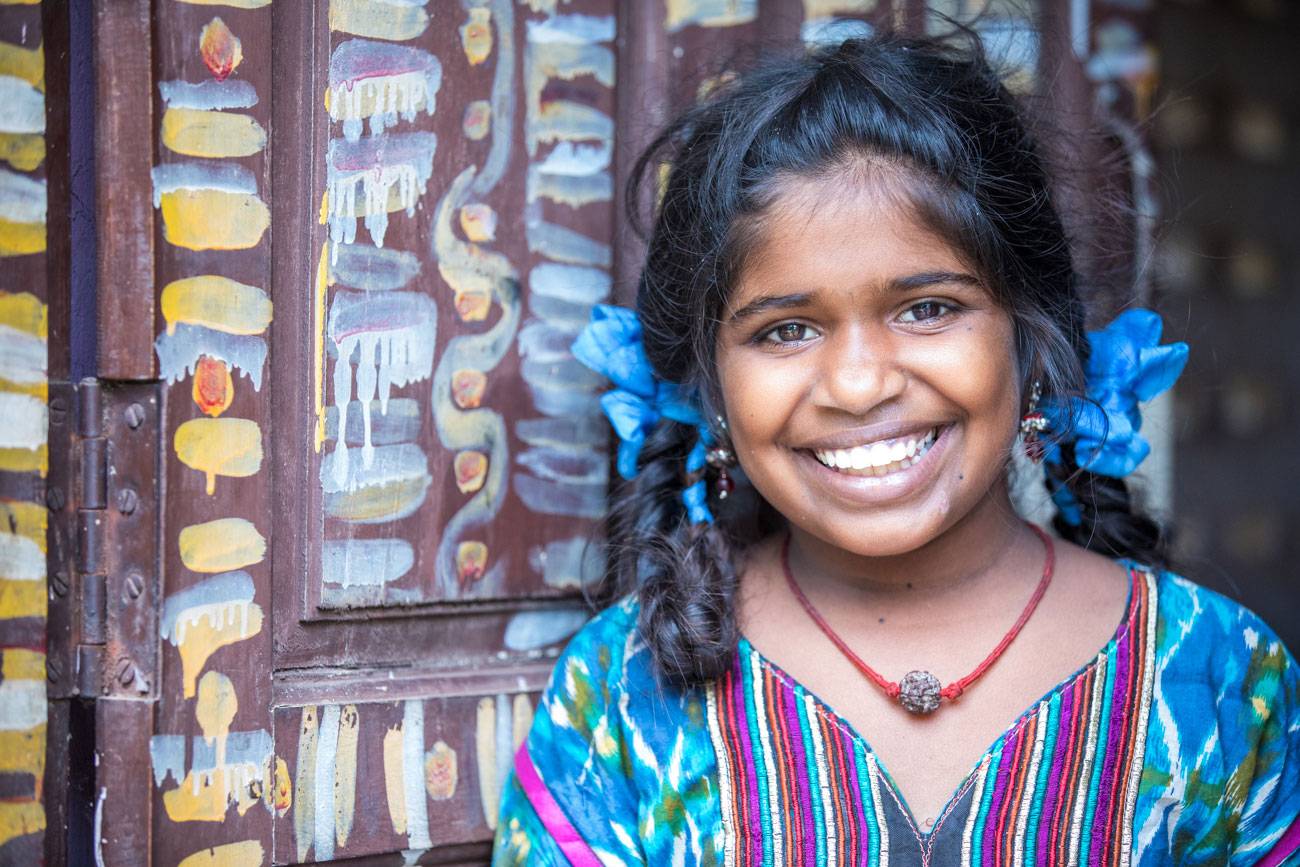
(926, 311)
(789, 332)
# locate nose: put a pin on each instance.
(859, 371)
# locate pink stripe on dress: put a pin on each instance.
(1288, 845)
(548, 811)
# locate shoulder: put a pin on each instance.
(1202, 632)
(601, 647)
(1221, 770)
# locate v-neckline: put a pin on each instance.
(1135, 572)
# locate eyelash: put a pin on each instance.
(768, 335)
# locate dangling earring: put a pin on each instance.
(1032, 426)
(720, 457)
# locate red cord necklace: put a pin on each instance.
(919, 691)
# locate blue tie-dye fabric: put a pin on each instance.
(633, 767)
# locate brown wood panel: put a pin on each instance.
(124, 215)
(374, 777)
(212, 752)
(486, 471)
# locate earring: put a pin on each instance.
(1032, 426)
(721, 457)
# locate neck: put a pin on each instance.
(988, 546)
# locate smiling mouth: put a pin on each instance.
(880, 458)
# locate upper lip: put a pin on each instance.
(882, 431)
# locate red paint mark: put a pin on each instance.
(213, 387)
(221, 49)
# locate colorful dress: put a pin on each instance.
(1178, 744)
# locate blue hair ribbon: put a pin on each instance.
(1126, 365)
(611, 345)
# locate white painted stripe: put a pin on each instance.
(759, 712)
(1079, 30)
(1090, 751)
(724, 775)
(22, 705)
(21, 559)
(327, 745)
(23, 421)
(22, 199)
(23, 356)
(22, 107)
(417, 810)
(505, 738)
(1031, 789)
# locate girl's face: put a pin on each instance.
(869, 379)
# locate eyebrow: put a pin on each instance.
(764, 303)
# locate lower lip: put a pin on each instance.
(872, 490)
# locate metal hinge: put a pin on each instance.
(104, 495)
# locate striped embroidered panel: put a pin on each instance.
(799, 786)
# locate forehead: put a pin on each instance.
(846, 230)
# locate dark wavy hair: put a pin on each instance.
(937, 112)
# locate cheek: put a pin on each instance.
(758, 399)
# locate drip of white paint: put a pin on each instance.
(417, 810)
(389, 95)
(375, 185)
(326, 751)
(217, 614)
(393, 357)
(236, 778)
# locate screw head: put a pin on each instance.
(134, 416)
(55, 499)
(53, 671)
(127, 500)
(59, 583)
(58, 411)
(125, 671)
(134, 585)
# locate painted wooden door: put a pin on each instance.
(342, 248)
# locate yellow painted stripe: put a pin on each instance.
(245, 853)
(28, 520)
(233, 4)
(221, 545)
(25, 63)
(216, 302)
(19, 663)
(39, 390)
(23, 311)
(213, 134)
(35, 460)
(22, 150)
(211, 219)
(18, 819)
(23, 752)
(229, 447)
(377, 20)
(21, 599)
(21, 239)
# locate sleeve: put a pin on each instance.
(1268, 833)
(570, 798)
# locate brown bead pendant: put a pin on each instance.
(918, 692)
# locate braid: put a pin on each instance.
(682, 574)
(1108, 521)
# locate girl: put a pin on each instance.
(858, 295)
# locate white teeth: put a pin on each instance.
(880, 458)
